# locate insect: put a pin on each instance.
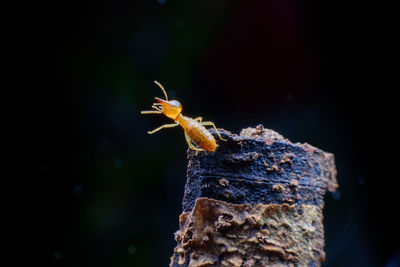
(194, 128)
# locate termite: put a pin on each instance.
(194, 128)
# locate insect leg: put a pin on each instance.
(210, 123)
(198, 119)
(191, 146)
(163, 126)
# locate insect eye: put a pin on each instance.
(175, 103)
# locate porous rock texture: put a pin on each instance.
(256, 201)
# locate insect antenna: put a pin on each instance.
(150, 112)
(162, 88)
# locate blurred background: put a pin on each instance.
(108, 194)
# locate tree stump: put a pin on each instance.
(256, 201)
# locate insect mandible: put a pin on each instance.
(194, 128)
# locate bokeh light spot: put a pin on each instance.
(180, 24)
(78, 189)
(57, 255)
(131, 249)
(118, 163)
(336, 195)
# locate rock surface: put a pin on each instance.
(256, 201)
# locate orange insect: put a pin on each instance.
(194, 128)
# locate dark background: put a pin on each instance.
(108, 194)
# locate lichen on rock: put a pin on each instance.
(217, 233)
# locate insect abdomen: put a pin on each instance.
(199, 134)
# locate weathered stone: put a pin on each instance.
(256, 201)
